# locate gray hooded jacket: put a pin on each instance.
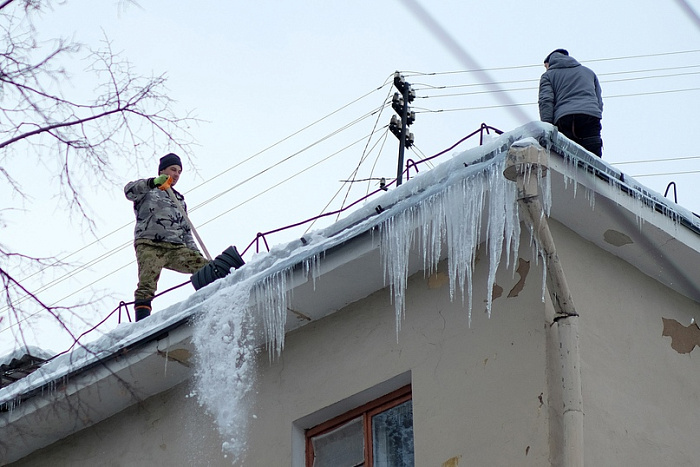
(157, 217)
(568, 87)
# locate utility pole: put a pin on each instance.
(400, 127)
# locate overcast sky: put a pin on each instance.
(259, 73)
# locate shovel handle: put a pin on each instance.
(189, 222)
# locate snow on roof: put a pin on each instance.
(18, 354)
(445, 206)
(284, 257)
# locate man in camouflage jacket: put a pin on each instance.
(162, 236)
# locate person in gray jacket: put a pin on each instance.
(162, 236)
(570, 98)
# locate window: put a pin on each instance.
(377, 434)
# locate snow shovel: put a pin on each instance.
(218, 268)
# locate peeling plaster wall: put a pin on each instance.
(639, 393)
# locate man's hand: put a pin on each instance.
(163, 182)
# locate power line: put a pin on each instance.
(363, 156)
(523, 104)
(95, 261)
(629, 57)
(650, 93)
(474, 93)
(291, 135)
(291, 156)
(535, 80)
(656, 160)
(379, 88)
(350, 181)
(688, 172)
(121, 247)
(289, 178)
(539, 65)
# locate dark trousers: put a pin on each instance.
(584, 130)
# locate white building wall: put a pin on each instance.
(476, 392)
(480, 394)
(640, 396)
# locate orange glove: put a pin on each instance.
(163, 182)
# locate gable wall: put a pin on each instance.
(639, 394)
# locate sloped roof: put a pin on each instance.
(610, 209)
(21, 363)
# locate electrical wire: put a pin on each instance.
(523, 104)
(291, 156)
(121, 247)
(289, 178)
(100, 258)
(474, 93)
(656, 160)
(17, 322)
(539, 65)
(363, 156)
(685, 172)
(411, 73)
(351, 179)
(325, 117)
(426, 86)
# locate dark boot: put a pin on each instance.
(142, 309)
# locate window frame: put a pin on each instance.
(366, 411)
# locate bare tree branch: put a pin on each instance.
(129, 118)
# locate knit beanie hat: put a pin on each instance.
(558, 51)
(168, 160)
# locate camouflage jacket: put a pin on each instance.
(157, 217)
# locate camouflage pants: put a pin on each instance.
(152, 257)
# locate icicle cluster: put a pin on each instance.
(270, 299)
(453, 216)
(466, 208)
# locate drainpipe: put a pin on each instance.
(523, 164)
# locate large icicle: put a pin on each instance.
(270, 298)
(397, 238)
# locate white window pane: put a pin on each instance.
(342, 447)
(392, 436)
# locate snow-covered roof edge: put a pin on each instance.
(17, 354)
(283, 257)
